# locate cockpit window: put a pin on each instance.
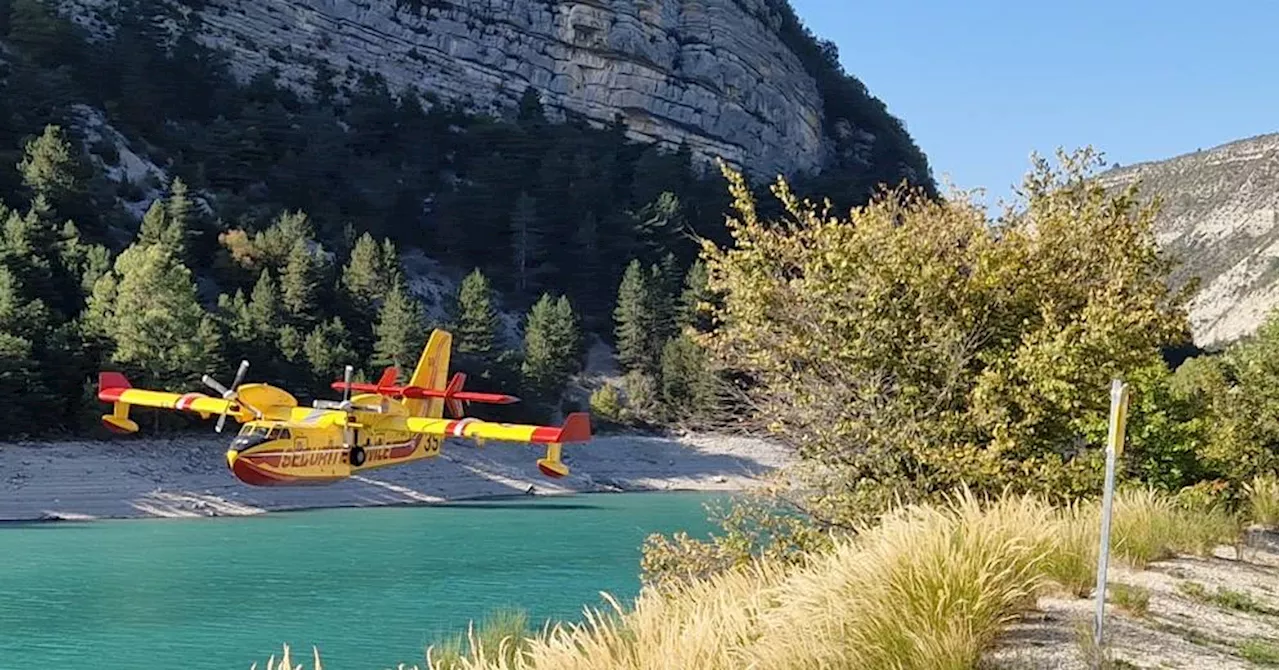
(252, 435)
(252, 431)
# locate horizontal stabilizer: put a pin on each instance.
(576, 428)
(450, 392)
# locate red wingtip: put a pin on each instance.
(111, 385)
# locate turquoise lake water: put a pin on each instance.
(369, 587)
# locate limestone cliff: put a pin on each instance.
(1219, 219)
(712, 73)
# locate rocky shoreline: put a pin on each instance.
(187, 476)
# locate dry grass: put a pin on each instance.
(930, 587)
(1264, 501)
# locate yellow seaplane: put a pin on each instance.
(282, 444)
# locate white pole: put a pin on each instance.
(1115, 445)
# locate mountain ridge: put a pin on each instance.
(739, 80)
(1218, 217)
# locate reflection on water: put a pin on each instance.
(370, 587)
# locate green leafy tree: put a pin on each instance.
(912, 347)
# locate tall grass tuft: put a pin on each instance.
(931, 586)
(500, 639)
(1263, 494)
(286, 663)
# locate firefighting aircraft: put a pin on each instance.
(283, 444)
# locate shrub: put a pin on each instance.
(911, 347)
(642, 398)
(606, 406)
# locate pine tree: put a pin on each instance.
(264, 309)
(35, 29)
(586, 273)
(21, 387)
(391, 267)
(688, 386)
(695, 293)
(476, 319)
(275, 244)
(364, 278)
(664, 280)
(658, 226)
(328, 350)
(299, 284)
(27, 245)
(51, 168)
(528, 254)
(399, 329)
(633, 320)
(551, 348)
(155, 224)
(578, 350)
(156, 324)
(181, 219)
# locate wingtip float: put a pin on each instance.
(384, 424)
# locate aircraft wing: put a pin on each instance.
(114, 388)
(576, 428)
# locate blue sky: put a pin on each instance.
(981, 84)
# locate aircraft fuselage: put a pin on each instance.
(285, 454)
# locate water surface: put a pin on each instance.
(370, 587)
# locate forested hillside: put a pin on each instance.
(274, 223)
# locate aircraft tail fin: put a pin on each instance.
(432, 373)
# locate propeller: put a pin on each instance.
(346, 405)
(231, 395)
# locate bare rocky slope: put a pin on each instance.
(1219, 218)
(714, 74)
(1209, 613)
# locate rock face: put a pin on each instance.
(706, 72)
(1219, 218)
